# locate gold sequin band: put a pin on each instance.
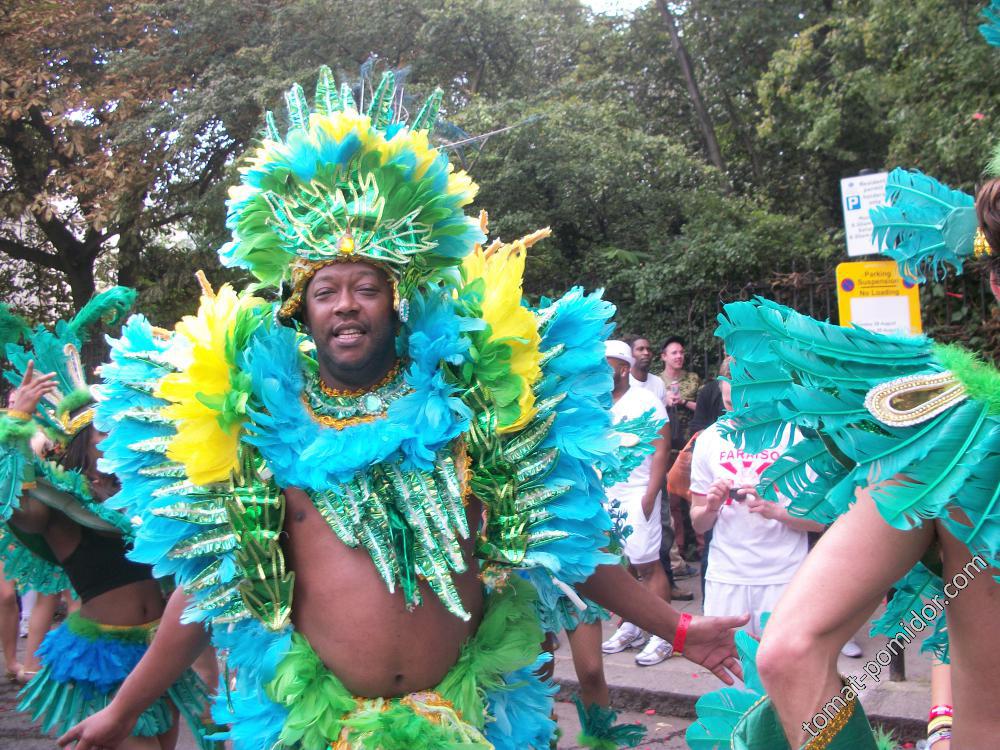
(339, 423)
(829, 733)
(23, 416)
(914, 399)
(72, 426)
(980, 246)
(337, 392)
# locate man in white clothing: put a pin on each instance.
(642, 358)
(756, 544)
(639, 497)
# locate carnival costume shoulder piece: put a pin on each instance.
(83, 662)
(491, 397)
(915, 422)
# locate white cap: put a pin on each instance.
(619, 350)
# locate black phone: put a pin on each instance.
(734, 497)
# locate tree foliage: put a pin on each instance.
(122, 124)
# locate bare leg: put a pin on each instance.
(168, 740)
(973, 611)
(38, 628)
(652, 576)
(140, 743)
(9, 620)
(585, 643)
(835, 591)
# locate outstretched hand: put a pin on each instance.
(34, 386)
(105, 730)
(710, 643)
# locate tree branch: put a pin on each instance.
(30, 254)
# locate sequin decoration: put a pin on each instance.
(340, 408)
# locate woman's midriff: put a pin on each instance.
(366, 636)
(132, 604)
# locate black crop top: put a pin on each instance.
(98, 565)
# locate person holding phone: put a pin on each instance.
(756, 545)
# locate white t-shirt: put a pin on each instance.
(635, 403)
(653, 384)
(747, 549)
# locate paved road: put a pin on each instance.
(663, 732)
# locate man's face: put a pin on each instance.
(348, 311)
(726, 391)
(619, 368)
(643, 353)
(673, 355)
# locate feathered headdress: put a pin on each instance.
(344, 186)
(926, 225)
(69, 408)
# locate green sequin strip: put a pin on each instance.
(410, 523)
(243, 517)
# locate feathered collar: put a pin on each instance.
(302, 452)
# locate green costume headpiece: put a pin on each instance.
(58, 351)
(345, 186)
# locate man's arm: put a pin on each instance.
(657, 469)
(709, 639)
(705, 508)
(777, 512)
(172, 651)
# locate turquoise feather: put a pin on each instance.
(991, 29)
(926, 225)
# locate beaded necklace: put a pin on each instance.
(341, 408)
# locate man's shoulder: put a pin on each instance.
(638, 399)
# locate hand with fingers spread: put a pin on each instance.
(710, 643)
(33, 388)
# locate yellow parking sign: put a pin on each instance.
(872, 294)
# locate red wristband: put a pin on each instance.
(939, 710)
(682, 632)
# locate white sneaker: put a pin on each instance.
(656, 650)
(852, 649)
(627, 636)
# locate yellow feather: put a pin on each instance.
(208, 452)
(501, 266)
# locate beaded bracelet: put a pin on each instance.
(682, 631)
(944, 734)
(941, 709)
(938, 722)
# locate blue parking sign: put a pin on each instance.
(853, 202)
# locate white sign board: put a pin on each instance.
(857, 196)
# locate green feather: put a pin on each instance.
(327, 101)
(271, 131)
(980, 380)
(110, 307)
(298, 107)
(380, 109)
(12, 327)
(427, 116)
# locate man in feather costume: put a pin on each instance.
(367, 489)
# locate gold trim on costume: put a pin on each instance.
(77, 423)
(337, 392)
(980, 245)
(18, 414)
(829, 733)
(914, 399)
(338, 423)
